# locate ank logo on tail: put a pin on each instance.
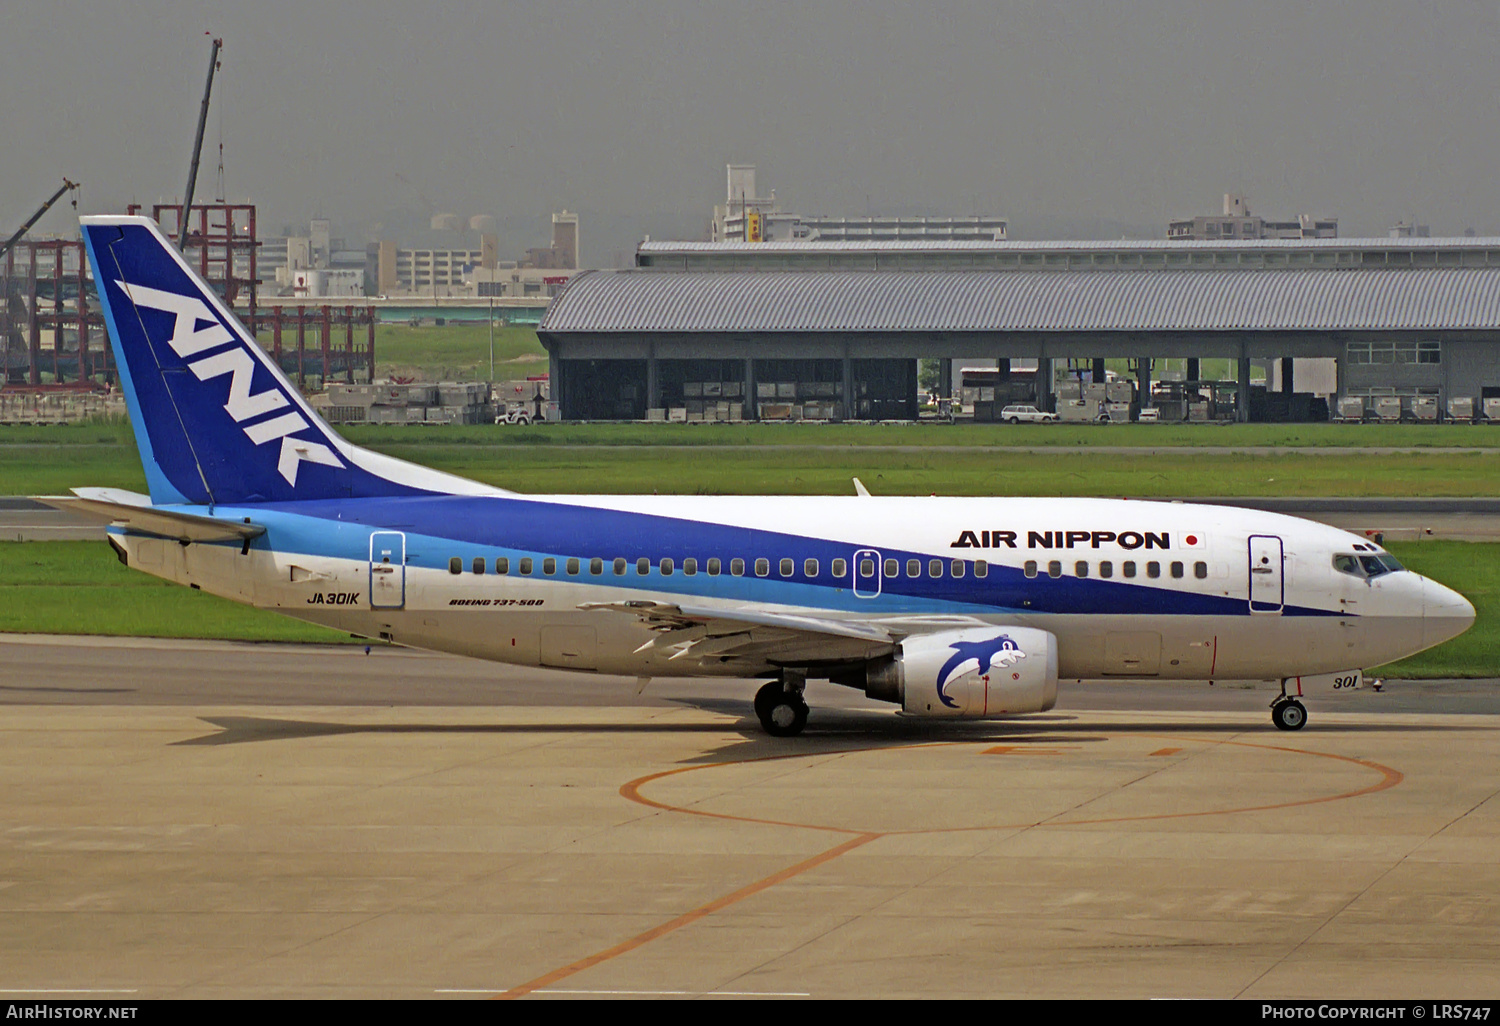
(1000, 651)
(197, 330)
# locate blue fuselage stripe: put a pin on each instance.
(441, 528)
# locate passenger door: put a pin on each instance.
(387, 570)
(866, 572)
(1267, 581)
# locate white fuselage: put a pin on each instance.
(1130, 589)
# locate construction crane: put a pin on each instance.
(66, 185)
(187, 202)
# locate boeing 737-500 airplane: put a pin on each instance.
(947, 607)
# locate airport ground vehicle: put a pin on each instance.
(1026, 415)
(947, 607)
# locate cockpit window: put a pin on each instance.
(1347, 564)
(1367, 566)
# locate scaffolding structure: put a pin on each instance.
(222, 246)
(322, 343)
(52, 334)
(51, 329)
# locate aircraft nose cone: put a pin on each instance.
(1445, 613)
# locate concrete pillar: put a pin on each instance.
(1193, 371)
(945, 377)
(653, 381)
(752, 405)
(1044, 399)
(555, 384)
(1286, 375)
(848, 369)
(1143, 375)
(1242, 413)
(1098, 371)
(1003, 366)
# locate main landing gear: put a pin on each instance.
(1288, 713)
(780, 705)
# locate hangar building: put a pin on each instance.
(745, 324)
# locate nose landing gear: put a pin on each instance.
(780, 706)
(1288, 713)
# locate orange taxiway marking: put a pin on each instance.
(632, 790)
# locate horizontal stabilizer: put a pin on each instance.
(116, 506)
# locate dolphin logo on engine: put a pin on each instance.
(1000, 651)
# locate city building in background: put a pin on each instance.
(1237, 222)
(745, 216)
(282, 257)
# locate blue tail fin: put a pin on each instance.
(216, 421)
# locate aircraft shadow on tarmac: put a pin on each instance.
(840, 726)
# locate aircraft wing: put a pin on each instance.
(117, 506)
(706, 635)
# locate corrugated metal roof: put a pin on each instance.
(1064, 245)
(952, 301)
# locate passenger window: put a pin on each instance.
(914, 568)
(788, 567)
(667, 567)
(1106, 568)
(1177, 571)
(1153, 570)
(596, 566)
(689, 566)
(1200, 571)
(840, 568)
(1127, 569)
(737, 567)
(809, 568)
(549, 566)
(526, 565)
(714, 566)
(455, 565)
(1030, 568)
(619, 566)
(502, 565)
(762, 567)
(1054, 568)
(573, 566)
(981, 568)
(934, 568)
(643, 566)
(1081, 568)
(866, 568)
(956, 568)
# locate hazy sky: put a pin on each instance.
(1054, 114)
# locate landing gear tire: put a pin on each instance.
(1289, 715)
(766, 697)
(785, 715)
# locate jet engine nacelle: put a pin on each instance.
(970, 674)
